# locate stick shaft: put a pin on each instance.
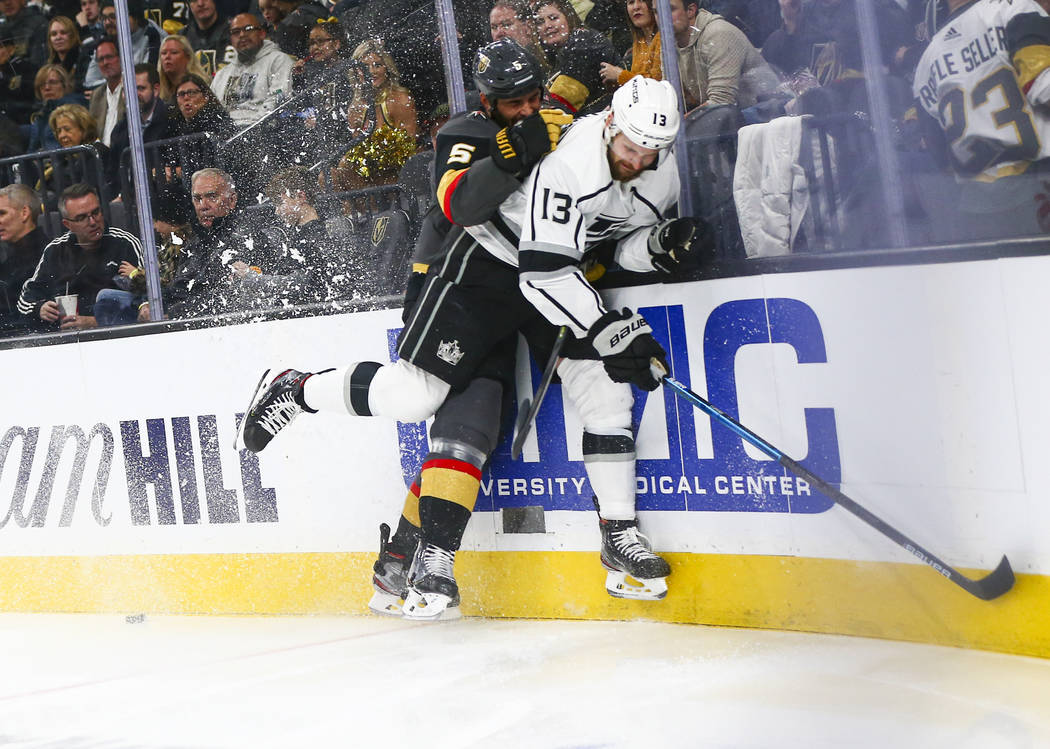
(991, 586)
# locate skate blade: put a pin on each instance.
(238, 440)
(621, 585)
(429, 607)
(385, 604)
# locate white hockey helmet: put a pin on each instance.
(646, 111)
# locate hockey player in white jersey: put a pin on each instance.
(613, 176)
(983, 90)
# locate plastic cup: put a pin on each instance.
(67, 304)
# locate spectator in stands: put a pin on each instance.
(819, 43)
(146, 37)
(717, 63)
(576, 53)
(16, 81)
(21, 243)
(224, 249)
(54, 87)
(645, 50)
(177, 60)
(271, 14)
(82, 261)
(63, 44)
(27, 26)
(380, 156)
(512, 19)
(252, 85)
(313, 271)
(72, 125)
(209, 34)
(157, 120)
(607, 18)
(89, 22)
(107, 101)
(334, 90)
(292, 33)
(199, 111)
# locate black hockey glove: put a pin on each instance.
(679, 243)
(623, 340)
(516, 149)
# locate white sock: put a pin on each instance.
(326, 392)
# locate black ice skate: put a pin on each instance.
(634, 570)
(432, 591)
(390, 578)
(273, 407)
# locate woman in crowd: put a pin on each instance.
(378, 158)
(54, 88)
(576, 54)
(394, 105)
(199, 111)
(63, 46)
(73, 125)
(335, 85)
(645, 51)
(177, 60)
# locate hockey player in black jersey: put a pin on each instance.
(469, 187)
(474, 300)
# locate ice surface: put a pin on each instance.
(78, 681)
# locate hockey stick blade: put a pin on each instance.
(527, 414)
(994, 584)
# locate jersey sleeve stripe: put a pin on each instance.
(447, 186)
(559, 306)
(553, 249)
(652, 207)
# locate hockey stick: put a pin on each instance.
(992, 585)
(529, 409)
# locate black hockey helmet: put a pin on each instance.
(505, 70)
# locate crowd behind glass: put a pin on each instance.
(292, 139)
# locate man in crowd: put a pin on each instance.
(27, 26)
(107, 101)
(209, 34)
(249, 86)
(83, 261)
(146, 37)
(156, 124)
(225, 248)
(718, 65)
(21, 242)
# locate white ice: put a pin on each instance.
(79, 681)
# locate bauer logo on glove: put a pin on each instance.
(622, 340)
(627, 332)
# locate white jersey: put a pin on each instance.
(967, 81)
(569, 202)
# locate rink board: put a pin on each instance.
(918, 389)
